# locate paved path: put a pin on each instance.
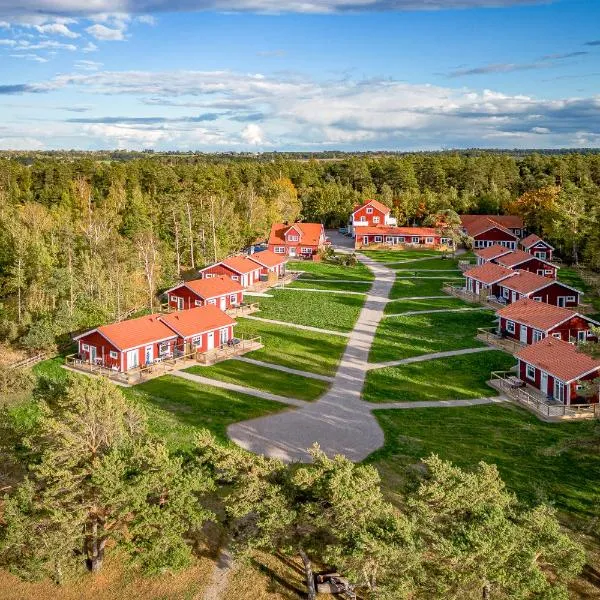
(261, 363)
(410, 313)
(296, 326)
(425, 277)
(409, 260)
(425, 357)
(258, 294)
(242, 389)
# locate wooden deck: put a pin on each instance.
(226, 352)
(464, 294)
(490, 336)
(247, 308)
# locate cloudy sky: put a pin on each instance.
(314, 75)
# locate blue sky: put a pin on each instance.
(266, 75)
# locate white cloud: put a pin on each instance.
(253, 135)
(8, 42)
(4, 25)
(57, 29)
(146, 19)
(101, 32)
(47, 45)
(89, 47)
(33, 57)
(88, 65)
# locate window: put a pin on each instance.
(429, 240)
(378, 238)
(196, 341)
(570, 298)
(548, 272)
(114, 354)
(415, 239)
(224, 335)
(510, 326)
(197, 302)
(530, 372)
(306, 250)
(363, 219)
(505, 293)
(173, 299)
(233, 298)
(163, 348)
(212, 301)
(85, 347)
(235, 277)
(375, 219)
(541, 255)
(208, 275)
(537, 299)
(370, 210)
(401, 240)
(389, 239)
(540, 272)
(557, 336)
(293, 238)
(581, 335)
(279, 250)
(517, 232)
(537, 335)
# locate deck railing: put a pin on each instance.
(224, 351)
(243, 309)
(490, 335)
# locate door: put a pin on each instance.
(93, 354)
(210, 340)
(149, 354)
(133, 359)
(561, 301)
(559, 391)
(292, 251)
(523, 337)
(477, 287)
(180, 304)
(223, 303)
(514, 297)
(224, 336)
(544, 383)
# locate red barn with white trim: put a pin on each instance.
(298, 240)
(537, 246)
(239, 268)
(221, 291)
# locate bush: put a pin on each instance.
(15, 383)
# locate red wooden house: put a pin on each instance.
(486, 278)
(416, 237)
(221, 291)
(537, 246)
(128, 344)
(490, 253)
(527, 321)
(298, 240)
(371, 213)
(519, 259)
(488, 231)
(557, 370)
(524, 284)
(272, 265)
(200, 329)
(239, 268)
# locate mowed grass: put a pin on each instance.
(570, 276)
(178, 408)
(353, 286)
(290, 347)
(400, 306)
(391, 256)
(336, 312)
(425, 265)
(453, 378)
(321, 270)
(541, 462)
(263, 378)
(404, 288)
(401, 337)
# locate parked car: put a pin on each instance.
(343, 230)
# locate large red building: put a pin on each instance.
(298, 240)
(371, 213)
(420, 237)
(221, 291)
(488, 230)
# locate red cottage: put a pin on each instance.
(538, 288)
(537, 246)
(417, 237)
(527, 321)
(487, 231)
(128, 344)
(557, 369)
(271, 265)
(490, 253)
(299, 240)
(519, 259)
(221, 291)
(486, 278)
(239, 268)
(370, 214)
(200, 329)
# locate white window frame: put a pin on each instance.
(279, 249)
(582, 335)
(378, 238)
(429, 240)
(548, 271)
(197, 302)
(415, 239)
(196, 341)
(235, 277)
(527, 372)
(113, 354)
(212, 301)
(537, 335)
(510, 326)
(557, 335)
(163, 348)
(537, 299)
(401, 240)
(570, 299)
(540, 254)
(375, 219)
(369, 210)
(85, 347)
(209, 275)
(305, 250)
(233, 298)
(505, 293)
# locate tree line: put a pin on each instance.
(85, 477)
(86, 239)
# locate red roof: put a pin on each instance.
(492, 252)
(375, 204)
(197, 320)
(240, 264)
(134, 332)
(526, 282)
(558, 358)
(477, 226)
(266, 258)
(212, 287)
(310, 233)
(509, 221)
(533, 239)
(489, 273)
(402, 231)
(516, 257)
(537, 314)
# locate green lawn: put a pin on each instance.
(571, 277)
(401, 337)
(320, 270)
(304, 350)
(403, 288)
(355, 286)
(400, 306)
(393, 255)
(454, 378)
(337, 312)
(177, 408)
(263, 378)
(541, 462)
(424, 265)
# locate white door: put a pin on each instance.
(477, 287)
(559, 390)
(292, 251)
(133, 359)
(561, 301)
(210, 340)
(544, 383)
(93, 354)
(149, 354)
(514, 297)
(180, 304)
(523, 334)
(223, 303)
(224, 336)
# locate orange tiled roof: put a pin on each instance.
(197, 320)
(375, 204)
(516, 257)
(526, 282)
(477, 226)
(492, 251)
(310, 233)
(406, 231)
(533, 239)
(240, 264)
(558, 358)
(135, 332)
(536, 314)
(510, 221)
(212, 287)
(489, 273)
(266, 258)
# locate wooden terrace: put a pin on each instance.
(490, 336)
(464, 294)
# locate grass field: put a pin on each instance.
(337, 312)
(354, 286)
(320, 270)
(571, 277)
(454, 378)
(403, 288)
(394, 255)
(424, 265)
(304, 350)
(401, 337)
(541, 462)
(263, 378)
(400, 306)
